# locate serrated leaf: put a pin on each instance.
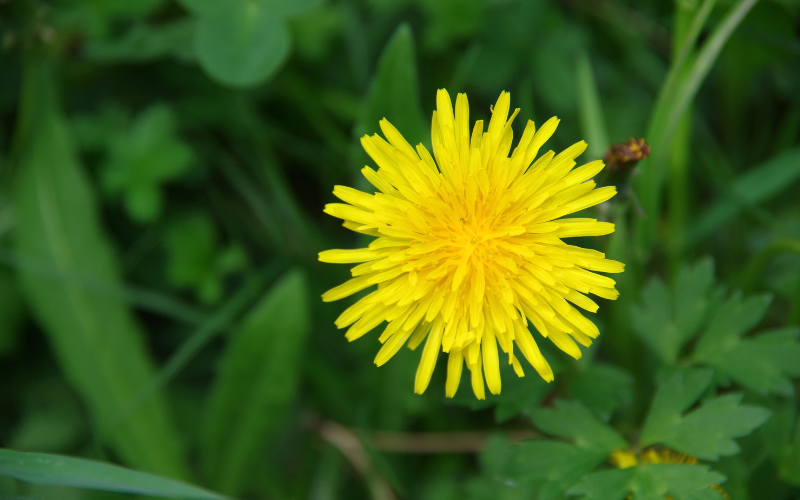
(572, 420)
(95, 338)
(706, 432)
(57, 470)
(257, 378)
(602, 388)
(241, 43)
(762, 363)
(690, 295)
(670, 316)
(552, 467)
(730, 322)
(651, 482)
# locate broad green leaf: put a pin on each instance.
(95, 338)
(257, 378)
(241, 43)
(670, 316)
(706, 432)
(758, 185)
(651, 482)
(143, 158)
(394, 93)
(602, 388)
(552, 467)
(573, 421)
(590, 109)
(57, 470)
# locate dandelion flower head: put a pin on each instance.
(469, 248)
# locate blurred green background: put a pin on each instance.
(163, 169)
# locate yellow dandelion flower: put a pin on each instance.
(469, 247)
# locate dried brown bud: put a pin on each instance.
(624, 156)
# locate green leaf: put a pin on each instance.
(605, 485)
(241, 43)
(95, 338)
(706, 432)
(572, 420)
(552, 467)
(602, 388)
(57, 470)
(258, 375)
(651, 482)
(690, 296)
(730, 322)
(667, 318)
(590, 109)
(757, 185)
(762, 363)
(143, 158)
(394, 93)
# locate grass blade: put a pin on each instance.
(57, 470)
(590, 109)
(257, 379)
(671, 109)
(98, 343)
(198, 339)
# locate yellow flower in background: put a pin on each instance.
(469, 247)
